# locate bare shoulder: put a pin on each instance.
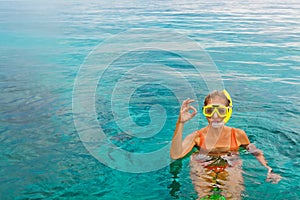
(202, 130)
(241, 137)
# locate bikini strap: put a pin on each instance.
(234, 145)
(201, 136)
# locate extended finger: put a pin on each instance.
(190, 101)
(184, 104)
(187, 102)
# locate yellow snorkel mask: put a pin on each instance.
(210, 110)
(222, 111)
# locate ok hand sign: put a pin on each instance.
(185, 115)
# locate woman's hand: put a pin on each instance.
(272, 177)
(185, 115)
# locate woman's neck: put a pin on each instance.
(214, 131)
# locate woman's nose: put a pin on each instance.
(215, 115)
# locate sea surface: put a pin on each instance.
(252, 48)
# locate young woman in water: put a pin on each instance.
(215, 168)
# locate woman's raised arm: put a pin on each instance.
(180, 148)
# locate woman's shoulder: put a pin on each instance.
(241, 136)
(239, 131)
(198, 132)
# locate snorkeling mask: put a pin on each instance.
(222, 111)
(209, 110)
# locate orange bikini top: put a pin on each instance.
(233, 144)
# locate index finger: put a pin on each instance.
(188, 101)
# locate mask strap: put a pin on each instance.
(230, 106)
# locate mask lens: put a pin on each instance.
(222, 111)
(209, 110)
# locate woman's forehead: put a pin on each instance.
(217, 100)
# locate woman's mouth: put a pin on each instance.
(217, 124)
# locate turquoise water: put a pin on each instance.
(255, 46)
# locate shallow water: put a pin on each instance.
(255, 46)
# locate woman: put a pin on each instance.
(215, 167)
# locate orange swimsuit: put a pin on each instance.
(219, 164)
(233, 144)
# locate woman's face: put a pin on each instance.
(215, 118)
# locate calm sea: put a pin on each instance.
(254, 49)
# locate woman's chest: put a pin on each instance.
(218, 144)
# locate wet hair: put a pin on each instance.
(214, 94)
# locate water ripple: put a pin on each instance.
(255, 45)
